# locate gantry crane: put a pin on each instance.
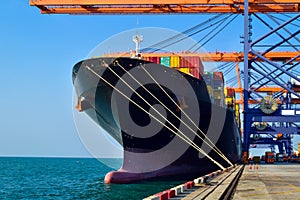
(262, 114)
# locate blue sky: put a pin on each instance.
(37, 54)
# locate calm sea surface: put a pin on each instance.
(67, 178)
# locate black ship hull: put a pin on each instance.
(147, 107)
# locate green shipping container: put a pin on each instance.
(165, 61)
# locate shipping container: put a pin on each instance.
(237, 109)
(201, 67)
(279, 157)
(218, 76)
(209, 89)
(270, 157)
(175, 61)
(185, 62)
(153, 59)
(229, 101)
(192, 62)
(229, 92)
(285, 158)
(218, 94)
(294, 158)
(195, 62)
(184, 70)
(218, 85)
(195, 72)
(208, 78)
(165, 60)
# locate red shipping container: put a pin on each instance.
(201, 67)
(230, 92)
(183, 62)
(218, 76)
(188, 61)
(154, 59)
(195, 72)
(197, 63)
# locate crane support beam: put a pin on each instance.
(129, 2)
(167, 7)
(276, 130)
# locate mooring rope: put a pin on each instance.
(211, 145)
(185, 138)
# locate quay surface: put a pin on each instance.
(262, 181)
(269, 181)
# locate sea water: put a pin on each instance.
(67, 178)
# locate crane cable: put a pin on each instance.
(229, 69)
(221, 29)
(187, 36)
(181, 34)
(211, 145)
(185, 138)
(220, 22)
(224, 65)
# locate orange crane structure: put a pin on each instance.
(162, 7)
(261, 65)
(77, 7)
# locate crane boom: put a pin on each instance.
(167, 7)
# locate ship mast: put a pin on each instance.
(137, 39)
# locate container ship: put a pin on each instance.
(173, 119)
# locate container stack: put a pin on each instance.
(185, 65)
(230, 97)
(191, 65)
(218, 88)
(208, 78)
(230, 102)
(153, 59)
(237, 114)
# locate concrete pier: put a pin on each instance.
(269, 181)
(263, 181)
